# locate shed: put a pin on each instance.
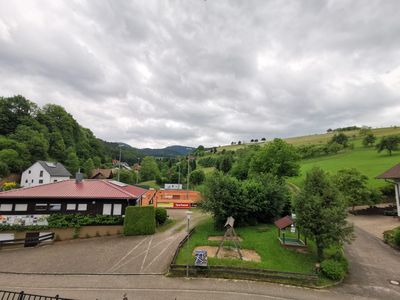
(289, 239)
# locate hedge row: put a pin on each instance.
(139, 220)
(68, 221)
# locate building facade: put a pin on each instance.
(42, 172)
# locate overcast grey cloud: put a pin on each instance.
(158, 73)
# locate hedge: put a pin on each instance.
(67, 221)
(161, 215)
(139, 220)
(333, 269)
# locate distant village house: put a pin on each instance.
(42, 172)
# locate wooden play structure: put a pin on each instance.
(287, 237)
(230, 235)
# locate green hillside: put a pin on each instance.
(318, 138)
(366, 160)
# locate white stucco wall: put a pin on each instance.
(32, 178)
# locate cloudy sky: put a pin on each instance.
(158, 73)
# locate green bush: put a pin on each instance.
(161, 215)
(139, 220)
(333, 269)
(396, 237)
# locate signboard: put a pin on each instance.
(181, 205)
(165, 204)
(23, 219)
(172, 186)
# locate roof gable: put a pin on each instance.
(392, 173)
(93, 188)
(54, 169)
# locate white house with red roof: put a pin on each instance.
(89, 196)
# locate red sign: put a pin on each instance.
(181, 205)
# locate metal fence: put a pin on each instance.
(7, 295)
(28, 241)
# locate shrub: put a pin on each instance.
(139, 220)
(161, 215)
(333, 269)
(397, 237)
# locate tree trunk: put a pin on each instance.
(320, 249)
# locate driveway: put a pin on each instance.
(372, 263)
(106, 255)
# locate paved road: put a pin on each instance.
(113, 255)
(151, 287)
(372, 265)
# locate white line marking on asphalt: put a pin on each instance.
(147, 253)
(165, 249)
(126, 255)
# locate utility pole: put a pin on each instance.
(179, 172)
(187, 184)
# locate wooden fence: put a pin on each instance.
(7, 295)
(237, 272)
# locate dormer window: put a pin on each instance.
(41, 174)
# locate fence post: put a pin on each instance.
(21, 296)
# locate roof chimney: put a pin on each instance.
(78, 177)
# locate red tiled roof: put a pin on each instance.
(284, 222)
(92, 188)
(392, 173)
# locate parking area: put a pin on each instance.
(105, 255)
(374, 224)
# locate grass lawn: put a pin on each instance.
(261, 238)
(366, 160)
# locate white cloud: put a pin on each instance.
(156, 73)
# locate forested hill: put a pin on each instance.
(29, 133)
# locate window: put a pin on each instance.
(32, 180)
(21, 207)
(41, 206)
(6, 207)
(176, 197)
(71, 206)
(117, 209)
(26, 180)
(55, 180)
(40, 180)
(41, 174)
(29, 172)
(55, 207)
(82, 206)
(107, 209)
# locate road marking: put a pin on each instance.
(165, 249)
(133, 249)
(147, 253)
(140, 254)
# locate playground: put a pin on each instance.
(260, 247)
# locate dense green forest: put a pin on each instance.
(29, 133)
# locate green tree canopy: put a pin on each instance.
(149, 169)
(278, 158)
(341, 139)
(353, 186)
(72, 161)
(88, 167)
(126, 176)
(321, 211)
(11, 158)
(197, 177)
(369, 140)
(388, 143)
(260, 199)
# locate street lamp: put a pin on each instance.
(188, 216)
